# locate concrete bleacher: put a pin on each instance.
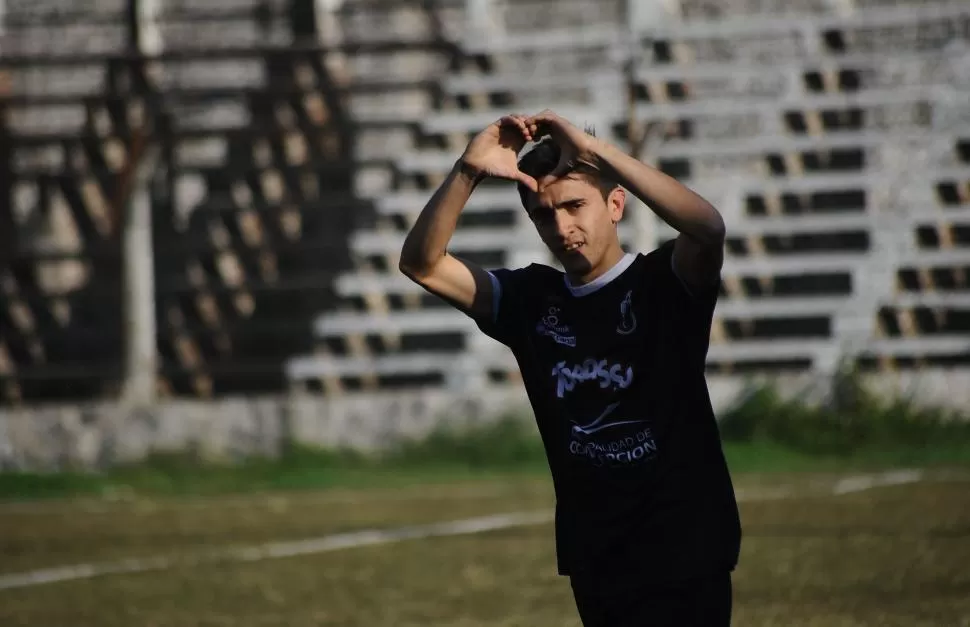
(320, 125)
(57, 223)
(833, 135)
(267, 133)
(298, 148)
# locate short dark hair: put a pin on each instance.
(543, 159)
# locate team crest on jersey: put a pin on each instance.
(551, 325)
(628, 320)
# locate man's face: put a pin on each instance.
(576, 222)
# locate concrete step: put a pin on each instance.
(400, 364)
(781, 307)
(933, 300)
(923, 346)
(357, 283)
(871, 64)
(796, 100)
(734, 352)
(475, 121)
(767, 33)
(769, 349)
(482, 201)
(477, 239)
(398, 322)
(422, 161)
(739, 25)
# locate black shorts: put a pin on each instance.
(702, 602)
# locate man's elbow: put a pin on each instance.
(414, 267)
(716, 227)
(711, 232)
(408, 268)
(718, 232)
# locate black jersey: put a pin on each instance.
(614, 372)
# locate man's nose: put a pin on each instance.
(564, 223)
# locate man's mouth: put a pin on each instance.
(571, 248)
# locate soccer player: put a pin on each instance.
(612, 354)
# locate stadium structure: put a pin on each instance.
(276, 151)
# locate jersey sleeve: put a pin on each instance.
(508, 294)
(695, 300)
(688, 310)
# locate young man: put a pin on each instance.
(612, 354)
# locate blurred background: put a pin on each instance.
(203, 330)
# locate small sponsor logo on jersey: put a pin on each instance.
(608, 375)
(628, 321)
(552, 326)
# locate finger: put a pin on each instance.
(527, 131)
(519, 122)
(527, 180)
(535, 119)
(544, 124)
(530, 125)
(546, 114)
(515, 122)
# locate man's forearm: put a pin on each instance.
(678, 206)
(427, 241)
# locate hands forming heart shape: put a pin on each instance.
(494, 152)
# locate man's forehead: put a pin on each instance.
(555, 190)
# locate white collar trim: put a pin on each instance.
(603, 280)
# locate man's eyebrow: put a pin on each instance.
(571, 202)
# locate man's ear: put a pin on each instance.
(616, 202)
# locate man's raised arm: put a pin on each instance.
(424, 256)
(699, 249)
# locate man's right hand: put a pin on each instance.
(425, 258)
(495, 151)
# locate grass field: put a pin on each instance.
(834, 534)
(876, 555)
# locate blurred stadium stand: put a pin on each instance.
(297, 140)
(252, 197)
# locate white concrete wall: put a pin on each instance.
(100, 435)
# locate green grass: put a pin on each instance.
(54, 532)
(505, 447)
(186, 477)
(886, 557)
(765, 456)
(437, 463)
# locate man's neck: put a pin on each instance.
(610, 259)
